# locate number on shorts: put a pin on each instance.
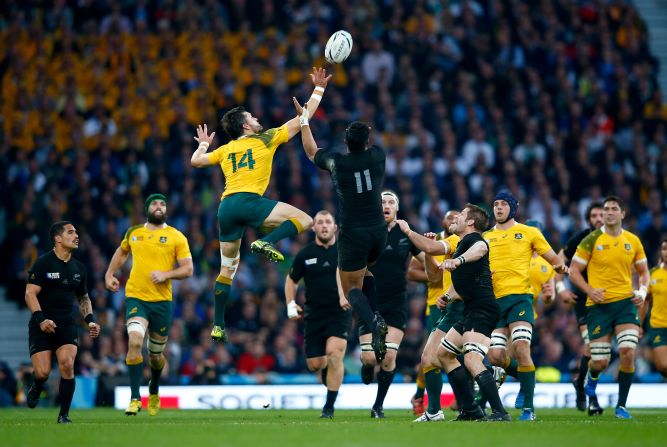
(369, 184)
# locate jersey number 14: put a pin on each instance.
(245, 162)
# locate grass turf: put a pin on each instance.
(212, 428)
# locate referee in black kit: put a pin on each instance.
(327, 322)
(53, 280)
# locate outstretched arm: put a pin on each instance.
(320, 80)
(425, 244)
(473, 254)
(307, 138)
(200, 157)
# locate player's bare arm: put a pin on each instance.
(416, 271)
(344, 303)
(184, 270)
(597, 295)
(31, 292)
(117, 260)
(644, 280)
(473, 254)
(293, 309)
(556, 261)
(307, 139)
(200, 157)
(447, 298)
(86, 310)
(320, 80)
(425, 244)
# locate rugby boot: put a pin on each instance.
(218, 334)
(497, 416)
(64, 419)
(153, 404)
(367, 374)
(594, 407)
(268, 250)
(327, 413)
(528, 414)
(377, 413)
(622, 413)
(417, 405)
(134, 408)
(426, 417)
(32, 399)
(378, 342)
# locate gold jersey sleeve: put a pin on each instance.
(609, 262)
(434, 292)
(247, 161)
(153, 250)
(658, 290)
(540, 272)
(510, 254)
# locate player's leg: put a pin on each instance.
(41, 368)
(353, 282)
(283, 221)
(368, 359)
(658, 340)
(451, 347)
(583, 369)
(580, 314)
(475, 347)
(417, 400)
(387, 369)
(65, 355)
(521, 336)
(41, 347)
(335, 352)
(627, 337)
(432, 367)
(599, 322)
(137, 324)
(229, 262)
(157, 342)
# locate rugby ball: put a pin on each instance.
(339, 47)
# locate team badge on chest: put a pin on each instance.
(163, 239)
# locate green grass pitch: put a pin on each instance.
(278, 428)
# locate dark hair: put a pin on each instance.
(479, 215)
(356, 136)
(233, 121)
(57, 229)
(591, 207)
(616, 199)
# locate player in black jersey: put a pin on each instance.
(54, 280)
(578, 298)
(327, 324)
(471, 282)
(357, 177)
(390, 275)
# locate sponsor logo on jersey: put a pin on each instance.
(403, 241)
(543, 268)
(518, 236)
(627, 247)
(163, 239)
(55, 275)
(599, 248)
(311, 261)
(326, 264)
(134, 239)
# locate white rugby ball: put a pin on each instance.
(339, 47)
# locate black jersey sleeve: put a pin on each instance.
(37, 273)
(570, 247)
(297, 270)
(325, 159)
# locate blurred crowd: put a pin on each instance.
(554, 100)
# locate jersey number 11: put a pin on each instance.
(367, 175)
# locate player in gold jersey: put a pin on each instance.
(542, 275)
(511, 247)
(436, 288)
(156, 249)
(246, 163)
(658, 298)
(608, 255)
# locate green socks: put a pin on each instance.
(220, 300)
(136, 371)
(433, 379)
(526, 376)
(290, 227)
(624, 383)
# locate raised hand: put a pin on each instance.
(319, 77)
(203, 136)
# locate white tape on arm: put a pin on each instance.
(292, 311)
